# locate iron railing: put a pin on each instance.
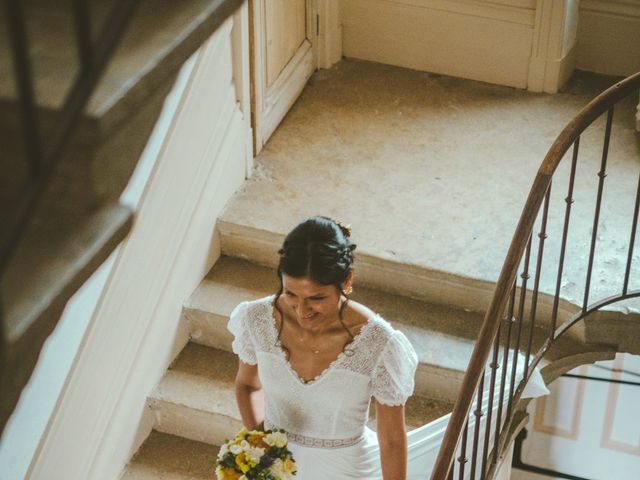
(506, 333)
(43, 153)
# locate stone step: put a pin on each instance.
(169, 457)
(376, 269)
(443, 337)
(196, 398)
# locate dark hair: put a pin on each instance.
(318, 248)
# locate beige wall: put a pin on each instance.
(134, 333)
(532, 44)
(609, 36)
(479, 40)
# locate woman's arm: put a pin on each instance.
(250, 396)
(392, 438)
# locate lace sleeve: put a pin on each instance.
(393, 380)
(242, 344)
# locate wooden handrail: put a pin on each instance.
(523, 232)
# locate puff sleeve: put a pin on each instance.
(393, 377)
(242, 344)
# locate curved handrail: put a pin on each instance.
(523, 232)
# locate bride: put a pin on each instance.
(311, 359)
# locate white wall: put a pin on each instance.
(609, 36)
(134, 332)
(38, 399)
(587, 428)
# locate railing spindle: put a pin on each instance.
(78, 96)
(16, 24)
(462, 459)
(492, 388)
(476, 430)
(516, 350)
(84, 40)
(632, 240)
(565, 232)
(503, 376)
(601, 174)
(536, 284)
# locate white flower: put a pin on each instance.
(278, 439)
(254, 454)
(235, 449)
(277, 468)
(224, 449)
(244, 445)
(280, 471)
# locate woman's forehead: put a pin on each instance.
(305, 286)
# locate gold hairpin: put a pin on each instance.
(344, 228)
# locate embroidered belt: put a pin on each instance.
(322, 442)
(314, 442)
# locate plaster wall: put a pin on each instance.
(487, 41)
(532, 44)
(134, 332)
(609, 37)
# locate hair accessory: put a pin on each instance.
(346, 229)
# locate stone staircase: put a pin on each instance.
(405, 231)
(194, 404)
(78, 221)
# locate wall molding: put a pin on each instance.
(574, 431)
(622, 8)
(612, 400)
(329, 35)
(520, 12)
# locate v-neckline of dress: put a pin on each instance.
(325, 372)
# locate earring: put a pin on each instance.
(349, 290)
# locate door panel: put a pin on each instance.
(283, 57)
(286, 29)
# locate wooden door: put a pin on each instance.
(283, 57)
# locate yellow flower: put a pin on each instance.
(241, 461)
(289, 466)
(226, 473)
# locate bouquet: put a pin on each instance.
(256, 455)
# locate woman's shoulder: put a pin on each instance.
(388, 338)
(253, 312)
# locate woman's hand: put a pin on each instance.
(392, 438)
(250, 396)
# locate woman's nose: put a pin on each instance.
(303, 309)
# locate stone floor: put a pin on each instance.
(434, 171)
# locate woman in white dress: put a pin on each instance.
(311, 359)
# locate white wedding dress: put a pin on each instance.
(326, 418)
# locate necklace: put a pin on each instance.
(316, 351)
